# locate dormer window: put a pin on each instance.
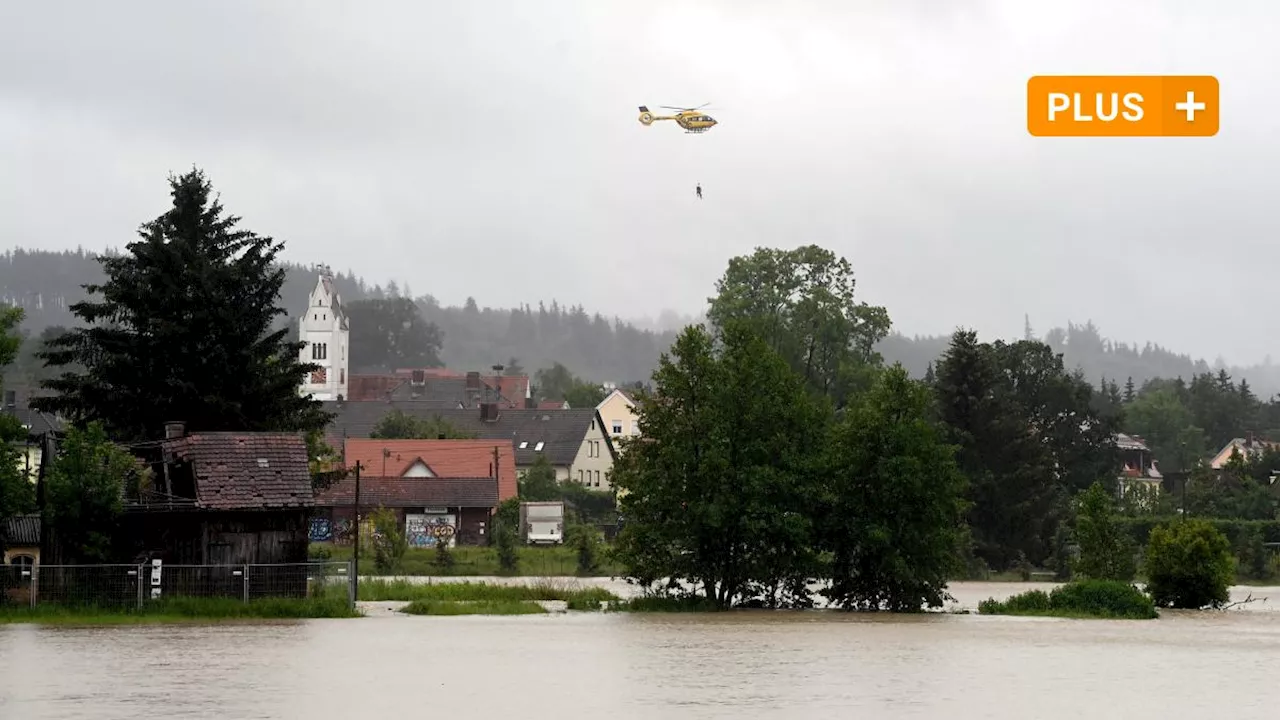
(524, 444)
(538, 447)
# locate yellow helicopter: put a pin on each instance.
(691, 119)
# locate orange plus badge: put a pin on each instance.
(1122, 106)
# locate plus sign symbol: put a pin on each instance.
(1190, 105)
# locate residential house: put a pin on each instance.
(435, 459)
(426, 483)
(37, 424)
(1247, 447)
(325, 330)
(618, 410)
(221, 498)
(574, 441)
(1139, 469)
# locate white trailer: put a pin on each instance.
(542, 522)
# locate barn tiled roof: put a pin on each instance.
(412, 492)
(561, 432)
(22, 530)
(445, 458)
(246, 471)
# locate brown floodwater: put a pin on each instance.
(735, 665)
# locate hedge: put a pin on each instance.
(1140, 527)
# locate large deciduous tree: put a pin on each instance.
(801, 302)
(182, 329)
(718, 494)
(391, 333)
(894, 494)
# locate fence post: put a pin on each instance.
(140, 583)
(35, 584)
(246, 584)
(351, 582)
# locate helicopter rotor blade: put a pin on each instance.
(685, 109)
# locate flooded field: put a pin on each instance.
(735, 665)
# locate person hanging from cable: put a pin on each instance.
(698, 190)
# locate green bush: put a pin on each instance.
(1189, 565)
(389, 542)
(585, 541)
(1110, 599)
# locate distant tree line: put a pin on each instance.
(591, 346)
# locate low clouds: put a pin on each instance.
(491, 149)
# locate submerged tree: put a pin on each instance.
(184, 328)
(1106, 551)
(895, 502)
(719, 493)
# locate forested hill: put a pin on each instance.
(592, 346)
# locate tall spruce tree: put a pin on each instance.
(183, 329)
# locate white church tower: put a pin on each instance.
(327, 336)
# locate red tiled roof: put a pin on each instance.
(551, 405)
(372, 387)
(446, 458)
(412, 492)
(246, 471)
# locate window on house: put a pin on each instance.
(579, 477)
(524, 444)
(597, 478)
(319, 351)
(342, 376)
(538, 447)
(617, 427)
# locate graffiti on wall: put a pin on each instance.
(423, 531)
(321, 530)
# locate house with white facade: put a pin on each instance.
(327, 335)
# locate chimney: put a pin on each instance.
(174, 429)
(488, 411)
(529, 403)
(473, 380)
(418, 378)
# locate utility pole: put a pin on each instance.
(355, 555)
(1186, 476)
(497, 484)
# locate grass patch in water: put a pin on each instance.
(181, 609)
(1097, 599)
(578, 598)
(661, 604)
(481, 607)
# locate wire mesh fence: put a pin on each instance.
(134, 585)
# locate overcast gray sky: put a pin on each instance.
(492, 149)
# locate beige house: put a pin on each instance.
(1247, 447)
(618, 410)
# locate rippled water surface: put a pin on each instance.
(736, 665)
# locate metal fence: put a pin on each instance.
(135, 585)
